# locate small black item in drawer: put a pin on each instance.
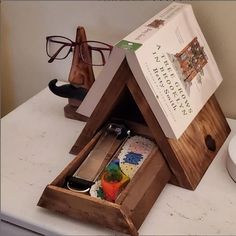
(78, 184)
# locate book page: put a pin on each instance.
(101, 83)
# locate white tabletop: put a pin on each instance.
(35, 141)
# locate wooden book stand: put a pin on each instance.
(188, 157)
(182, 162)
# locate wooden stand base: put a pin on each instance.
(131, 207)
(70, 112)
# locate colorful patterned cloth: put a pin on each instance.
(133, 153)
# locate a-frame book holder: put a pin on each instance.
(123, 96)
(182, 162)
(189, 156)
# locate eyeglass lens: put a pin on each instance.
(92, 52)
(98, 55)
(58, 45)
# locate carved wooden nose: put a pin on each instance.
(210, 143)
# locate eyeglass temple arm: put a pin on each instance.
(57, 52)
(100, 49)
(60, 42)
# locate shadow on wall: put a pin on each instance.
(25, 70)
(7, 93)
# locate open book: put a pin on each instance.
(172, 64)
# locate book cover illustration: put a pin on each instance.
(190, 61)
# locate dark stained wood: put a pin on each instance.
(191, 150)
(145, 187)
(138, 128)
(126, 215)
(144, 169)
(86, 208)
(103, 110)
(188, 157)
(81, 73)
(70, 112)
(183, 161)
(74, 102)
(157, 132)
(132, 205)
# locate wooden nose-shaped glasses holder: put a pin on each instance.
(81, 75)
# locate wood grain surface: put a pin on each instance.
(182, 162)
(127, 214)
(80, 73)
(85, 208)
(103, 110)
(188, 157)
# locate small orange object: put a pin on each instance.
(112, 189)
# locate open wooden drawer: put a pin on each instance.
(132, 205)
(188, 157)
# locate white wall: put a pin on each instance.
(25, 24)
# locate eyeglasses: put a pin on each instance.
(94, 53)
